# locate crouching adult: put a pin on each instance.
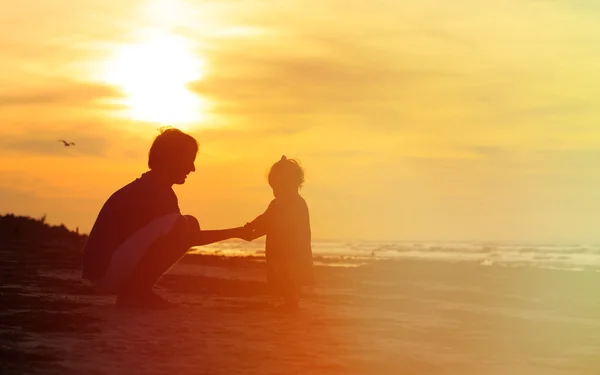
(140, 232)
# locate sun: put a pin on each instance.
(154, 76)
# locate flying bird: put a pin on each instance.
(67, 144)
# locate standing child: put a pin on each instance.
(286, 224)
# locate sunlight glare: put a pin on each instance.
(154, 76)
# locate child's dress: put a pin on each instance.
(286, 224)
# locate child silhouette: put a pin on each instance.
(286, 224)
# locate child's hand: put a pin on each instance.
(246, 233)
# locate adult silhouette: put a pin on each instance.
(140, 232)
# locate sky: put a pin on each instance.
(415, 120)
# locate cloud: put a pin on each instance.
(294, 86)
(18, 201)
(571, 161)
(327, 74)
(45, 142)
(62, 94)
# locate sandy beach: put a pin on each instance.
(377, 317)
(52, 322)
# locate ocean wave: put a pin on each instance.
(337, 253)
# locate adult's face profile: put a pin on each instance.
(180, 166)
(172, 156)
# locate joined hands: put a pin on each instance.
(247, 232)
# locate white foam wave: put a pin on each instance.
(543, 255)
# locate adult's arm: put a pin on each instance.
(206, 237)
(198, 237)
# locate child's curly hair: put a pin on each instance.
(287, 173)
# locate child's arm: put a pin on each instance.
(260, 226)
(256, 228)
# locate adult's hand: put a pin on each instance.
(246, 233)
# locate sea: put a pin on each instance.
(458, 307)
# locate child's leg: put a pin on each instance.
(291, 295)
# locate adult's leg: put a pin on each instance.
(158, 259)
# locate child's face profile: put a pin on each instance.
(282, 190)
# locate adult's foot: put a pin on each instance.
(147, 301)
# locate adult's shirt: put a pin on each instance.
(127, 210)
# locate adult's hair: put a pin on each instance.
(168, 145)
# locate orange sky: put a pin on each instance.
(416, 120)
